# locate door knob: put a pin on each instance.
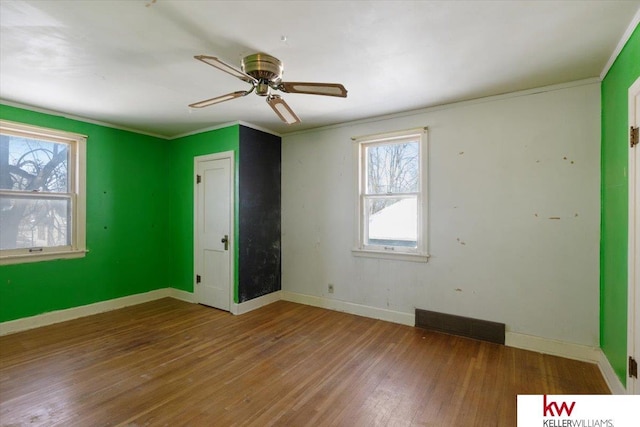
(225, 240)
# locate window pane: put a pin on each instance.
(34, 222)
(393, 168)
(392, 222)
(28, 164)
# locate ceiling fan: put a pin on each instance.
(264, 73)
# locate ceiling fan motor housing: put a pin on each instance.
(265, 68)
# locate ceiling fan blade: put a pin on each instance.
(328, 89)
(219, 99)
(215, 62)
(282, 109)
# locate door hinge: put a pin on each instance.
(198, 179)
(633, 367)
(634, 136)
(198, 278)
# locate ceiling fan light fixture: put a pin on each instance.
(282, 109)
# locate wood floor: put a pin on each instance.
(173, 363)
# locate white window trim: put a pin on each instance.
(421, 253)
(78, 142)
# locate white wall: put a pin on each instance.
(499, 169)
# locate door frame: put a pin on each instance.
(232, 235)
(633, 275)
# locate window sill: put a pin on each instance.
(45, 256)
(396, 256)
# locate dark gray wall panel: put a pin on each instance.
(259, 245)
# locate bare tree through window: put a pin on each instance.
(392, 175)
(35, 201)
(392, 202)
(392, 169)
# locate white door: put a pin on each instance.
(213, 230)
(633, 344)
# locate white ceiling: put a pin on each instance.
(130, 63)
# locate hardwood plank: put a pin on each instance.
(168, 362)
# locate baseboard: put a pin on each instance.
(239, 308)
(570, 351)
(182, 295)
(58, 316)
(351, 308)
(253, 304)
(614, 383)
(553, 347)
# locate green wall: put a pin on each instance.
(614, 214)
(126, 213)
(180, 186)
(139, 219)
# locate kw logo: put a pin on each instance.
(548, 408)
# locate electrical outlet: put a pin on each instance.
(330, 288)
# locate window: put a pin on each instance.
(42, 196)
(391, 202)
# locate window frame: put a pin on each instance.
(420, 253)
(76, 194)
